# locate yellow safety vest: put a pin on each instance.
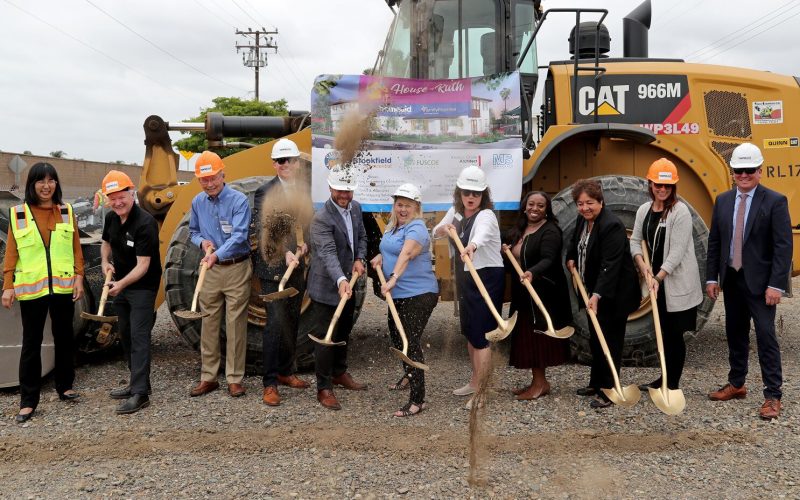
(41, 271)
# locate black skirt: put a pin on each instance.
(476, 318)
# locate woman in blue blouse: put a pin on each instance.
(405, 259)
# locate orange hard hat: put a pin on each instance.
(115, 181)
(208, 164)
(663, 171)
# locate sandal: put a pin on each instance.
(402, 384)
(406, 410)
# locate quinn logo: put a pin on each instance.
(610, 100)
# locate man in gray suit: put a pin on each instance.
(338, 249)
(750, 254)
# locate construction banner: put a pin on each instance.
(419, 131)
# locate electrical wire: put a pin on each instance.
(245, 12)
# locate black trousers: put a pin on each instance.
(614, 332)
(280, 331)
(331, 361)
(135, 309)
(414, 313)
(34, 314)
(741, 307)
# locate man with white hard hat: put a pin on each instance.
(286, 194)
(338, 249)
(749, 256)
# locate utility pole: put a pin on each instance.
(254, 58)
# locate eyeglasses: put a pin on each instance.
(475, 194)
(49, 182)
(281, 161)
(748, 171)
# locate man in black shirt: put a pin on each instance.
(130, 251)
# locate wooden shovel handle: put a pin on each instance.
(477, 279)
(393, 310)
(531, 291)
(104, 294)
(288, 273)
(656, 320)
(298, 235)
(338, 311)
(579, 283)
(200, 279)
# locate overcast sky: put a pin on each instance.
(82, 75)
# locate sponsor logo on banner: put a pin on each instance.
(781, 142)
(332, 159)
(767, 112)
(503, 160)
(467, 160)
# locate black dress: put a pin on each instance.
(541, 255)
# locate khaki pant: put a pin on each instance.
(226, 291)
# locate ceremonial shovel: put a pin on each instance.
(105, 329)
(291, 292)
(503, 327)
(193, 313)
(670, 401)
(623, 396)
(563, 333)
(403, 355)
(338, 312)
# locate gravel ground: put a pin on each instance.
(555, 447)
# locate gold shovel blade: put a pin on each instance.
(100, 319)
(190, 314)
(283, 294)
(501, 332)
(670, 401)
(325, 342)
(630, 395)
(563, 333)
(405, 359)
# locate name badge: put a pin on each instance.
(226, 226)
(129, 243)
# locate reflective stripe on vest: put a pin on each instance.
(31, 277)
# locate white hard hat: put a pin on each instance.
(342, 179)
(285, 148)
(409, 191)
(472, 178)
(746, 155)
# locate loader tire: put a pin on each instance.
(623, 195)
(181, 268)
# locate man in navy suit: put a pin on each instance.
(749, 253)
(338, 249)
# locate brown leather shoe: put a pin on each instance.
(293, 381)
(346, 380)
(204, 387)
(728, 392)
(236, 390)
(327, 398)
(271, 396)
(770, 409)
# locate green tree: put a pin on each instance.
(231, 106)
(504, 95)
(58, 154)
(27, 152)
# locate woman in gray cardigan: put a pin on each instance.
(665, 224)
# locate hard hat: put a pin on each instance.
(409, 191)
(746, 155)
(285, 148)
(115, 181)
(342, 179)
(208, 164)
(662, 171)
(472, 178)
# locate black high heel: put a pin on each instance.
(24, 417)
(69, 397)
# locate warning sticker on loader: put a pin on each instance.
(767, 112)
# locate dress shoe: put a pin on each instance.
(271, 396)
(728, 392)
(534, 392)
(655, 384)
(72, 396)
(464, 391)
(204, 387)
(124, 392)
(770, 409)
(293, 381)
(346, 380)
(24, 417)
(601, 401)
(327, 398)
(133, 404)
(586, 391)
(236, 390)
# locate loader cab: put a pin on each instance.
(444, 39)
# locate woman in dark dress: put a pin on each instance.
(535, 241)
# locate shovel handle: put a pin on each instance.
(656, 320)
(393, 310)
(531, 291)
(104, 294)
(286, 275)
(338, 311)
(478, 282)
(200, 279)
(579, 283)
(298, 236)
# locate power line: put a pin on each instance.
(245, 12)
(173, 56)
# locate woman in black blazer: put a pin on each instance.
(599, 250)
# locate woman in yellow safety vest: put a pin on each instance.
(43, 269)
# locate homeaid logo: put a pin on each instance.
(503, 160)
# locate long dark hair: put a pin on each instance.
(38, 172)
(486, 200)
(516, 232)
(669, 202)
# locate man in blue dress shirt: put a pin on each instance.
(220, 221)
